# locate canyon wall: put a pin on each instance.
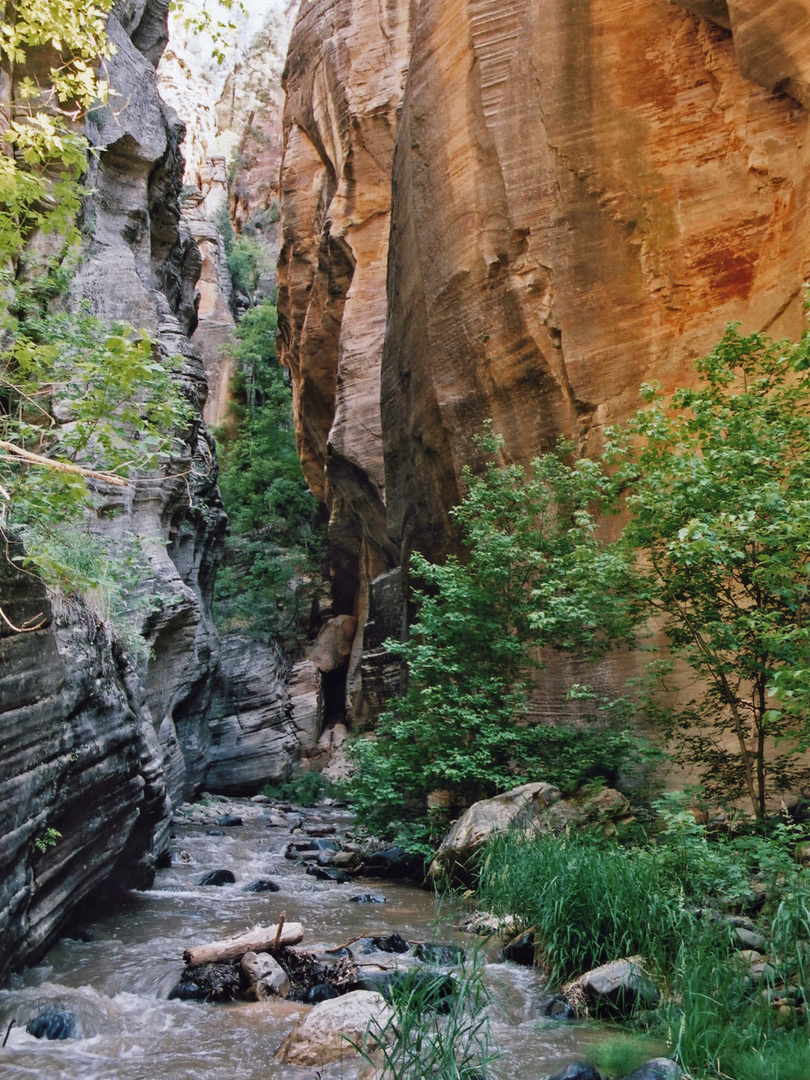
(99, 740)
(564, 198)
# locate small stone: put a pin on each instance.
(368, 898)
(259, 799)
(750, 939)
(228, 821)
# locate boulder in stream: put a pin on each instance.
(262, 885)
(218, 877)
(54, 1023)
(368, 898)
(617, 988)
(228, 821)
(395, 863)
(327, 1033)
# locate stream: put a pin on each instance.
(118, 981)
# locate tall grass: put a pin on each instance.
(435, 1033)
(590, 900)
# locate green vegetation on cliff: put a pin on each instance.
(269, 574)
(83, 405)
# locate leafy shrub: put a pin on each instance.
(534, 575)
(306, 789)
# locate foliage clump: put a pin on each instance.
(535, 575)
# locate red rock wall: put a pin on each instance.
(582, 193)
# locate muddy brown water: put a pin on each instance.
(118, 983)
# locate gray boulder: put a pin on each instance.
(657, 1069)
(616, 988)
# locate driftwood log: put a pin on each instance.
(259, 939)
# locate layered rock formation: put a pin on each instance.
(567, 198)
(98, 744)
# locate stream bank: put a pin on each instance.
(117, 968)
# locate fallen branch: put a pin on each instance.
(259, 939)
(18, 454)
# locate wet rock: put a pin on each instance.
(577, 1070)
(259, 799)
(393, 943)
(228, 821)
(616, 988)
(347, 860)
(368, 898)
(327, 1033)
(54, 1023)
(325, 873)
(214, 832)
(394, 863)
(442, 955)
(657, 1069)
(557, 1007)
(218, 877)
(520, 950)
(209, 982)
(262, 885)
(322, 843)
(320, 830)
(321, 992)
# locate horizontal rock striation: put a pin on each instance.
(569, 198)
(97, 742)
(82, 795)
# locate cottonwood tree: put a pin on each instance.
(718, 497)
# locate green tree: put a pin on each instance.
(718, 497)
(535, 574)
(270, 568)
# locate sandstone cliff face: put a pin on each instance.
(582, 193)
(340, 123)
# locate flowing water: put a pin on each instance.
(118, 982)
